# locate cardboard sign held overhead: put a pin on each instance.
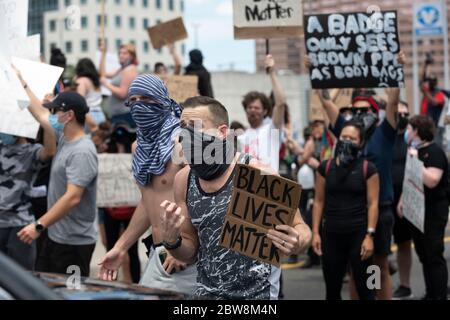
(181, 87)
(344, 99)
(353, 50)
(266, 19)
(167, 32)
(259, 203)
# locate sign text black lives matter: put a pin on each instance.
(353, 50)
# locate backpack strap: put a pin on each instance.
(328, 166)
(365, 168)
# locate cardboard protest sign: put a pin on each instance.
(167, 32)
(259, 203)
(353, 50)
(181, 87)
(413, 193)
(115, 184)
(317, 112)
(266, 19)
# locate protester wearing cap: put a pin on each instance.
(70, 218)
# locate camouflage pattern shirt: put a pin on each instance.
(19, 165)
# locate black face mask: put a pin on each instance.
(347, 152)
(402, 121)
(208, 156)
(369, 121)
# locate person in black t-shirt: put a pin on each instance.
(346, 204)
(402, 229)
(430, 244)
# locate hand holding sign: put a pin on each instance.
(285, 238)
(172, 220)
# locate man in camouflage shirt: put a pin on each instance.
(19, 164)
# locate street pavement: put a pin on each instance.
(306, 284)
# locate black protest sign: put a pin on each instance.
(353, 50)
(259, 203)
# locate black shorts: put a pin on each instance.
(56, 257)
(402, 230)
(383, 232)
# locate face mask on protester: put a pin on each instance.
(369, 122)
(149, 117)
(7, 139)
(402, 121)
(206, 165)
(54, 122)
(347, 152)
(413, 142)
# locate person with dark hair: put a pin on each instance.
(121, 80)
(58, 59)
(70, 219)
(379, 149)
(87, 80)
(196, 68)
(160, 68)
(264, 137)
(430, 245)
(346, 209)
(401, 231)
(192, 224)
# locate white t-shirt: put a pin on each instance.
(263, 143)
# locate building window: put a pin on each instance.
(69, 47)
(158, 21)
(131, 2)
(83, 2)
(52, 45)
(146, 46)
(171, 6)
(183, 49)
(118, 21)
(145, 3)
(158, 4)
(52, 25)
(84, 22)
(118, 43)
(132, 23)
(99, 20)
(146, 67)
(84, 45)
(67, 2)
(133, 42)
(182, 5)
(145, 23)
(118, 2)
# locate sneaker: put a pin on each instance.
(402, 293)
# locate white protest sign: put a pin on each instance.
(413, 193)
(267, 13)
(11, 83)
(112, 64)
(27, 48)
(40, 77)
(115, 184)
(14, 18)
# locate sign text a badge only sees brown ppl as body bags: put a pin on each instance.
(167, 32)
(267, 19)
(259, 203)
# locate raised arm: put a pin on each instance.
(280, 101)
(121, 92)
(319, 204)
(176, 59)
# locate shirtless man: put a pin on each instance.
(157, 118)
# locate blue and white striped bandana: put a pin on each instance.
(156, 123)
